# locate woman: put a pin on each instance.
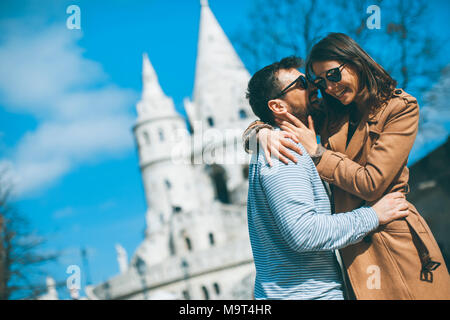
(367, 128)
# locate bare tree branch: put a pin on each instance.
(20, 251)
(402, 45)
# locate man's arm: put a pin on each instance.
(289, 191)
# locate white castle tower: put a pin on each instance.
(169, 179)
(196, 244)
(168, 186)
(219, 107)
(220, 78)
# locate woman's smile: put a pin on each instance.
(340, 92)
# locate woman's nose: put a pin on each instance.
(331, 86)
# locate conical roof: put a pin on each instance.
(220, 77)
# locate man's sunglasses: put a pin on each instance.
(333, 75)
(301, 80)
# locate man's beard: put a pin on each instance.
(300, 113)
(303, 113)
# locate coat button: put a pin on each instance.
(367, 239)
(398, 91)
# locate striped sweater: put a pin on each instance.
(293, 233)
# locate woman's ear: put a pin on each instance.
(277, 106)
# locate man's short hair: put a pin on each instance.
(264, 85)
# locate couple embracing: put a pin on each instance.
(330, 220)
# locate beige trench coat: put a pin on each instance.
(400, 260)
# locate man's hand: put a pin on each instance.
(305, 135)
(391, 207)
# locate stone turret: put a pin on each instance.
(160, 130)
(196, 244)
(220, 78)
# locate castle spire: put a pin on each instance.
(220, 75)
(154, 102)
(150, 81)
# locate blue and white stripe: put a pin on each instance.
(293, 233)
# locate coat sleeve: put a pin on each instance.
(249, 136)
(385, 159)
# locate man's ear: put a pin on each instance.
(278, 107)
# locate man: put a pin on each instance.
(292, 232)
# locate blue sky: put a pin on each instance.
(67, 105)
(92, 197)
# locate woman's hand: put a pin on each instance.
(276, 143)
(306, 136)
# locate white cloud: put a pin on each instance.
(37, 69)
(82, 115)
(64, 213)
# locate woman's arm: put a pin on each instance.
(304, 224)
(385, 159)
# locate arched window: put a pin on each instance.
(161, 134)
(211, 238)
(242, 114)
(211, 121)
(168, 184)
(245, 171)
(219, 178)
(216, 288)
(146, 137)
(176, 209)
(188, 243)
(172, 246)
(186, 295)
(205, 293)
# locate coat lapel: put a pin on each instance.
(359, 138)
(338, 140)
(367, 124)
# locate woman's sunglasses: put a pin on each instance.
(333, 75)
(301, 80)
